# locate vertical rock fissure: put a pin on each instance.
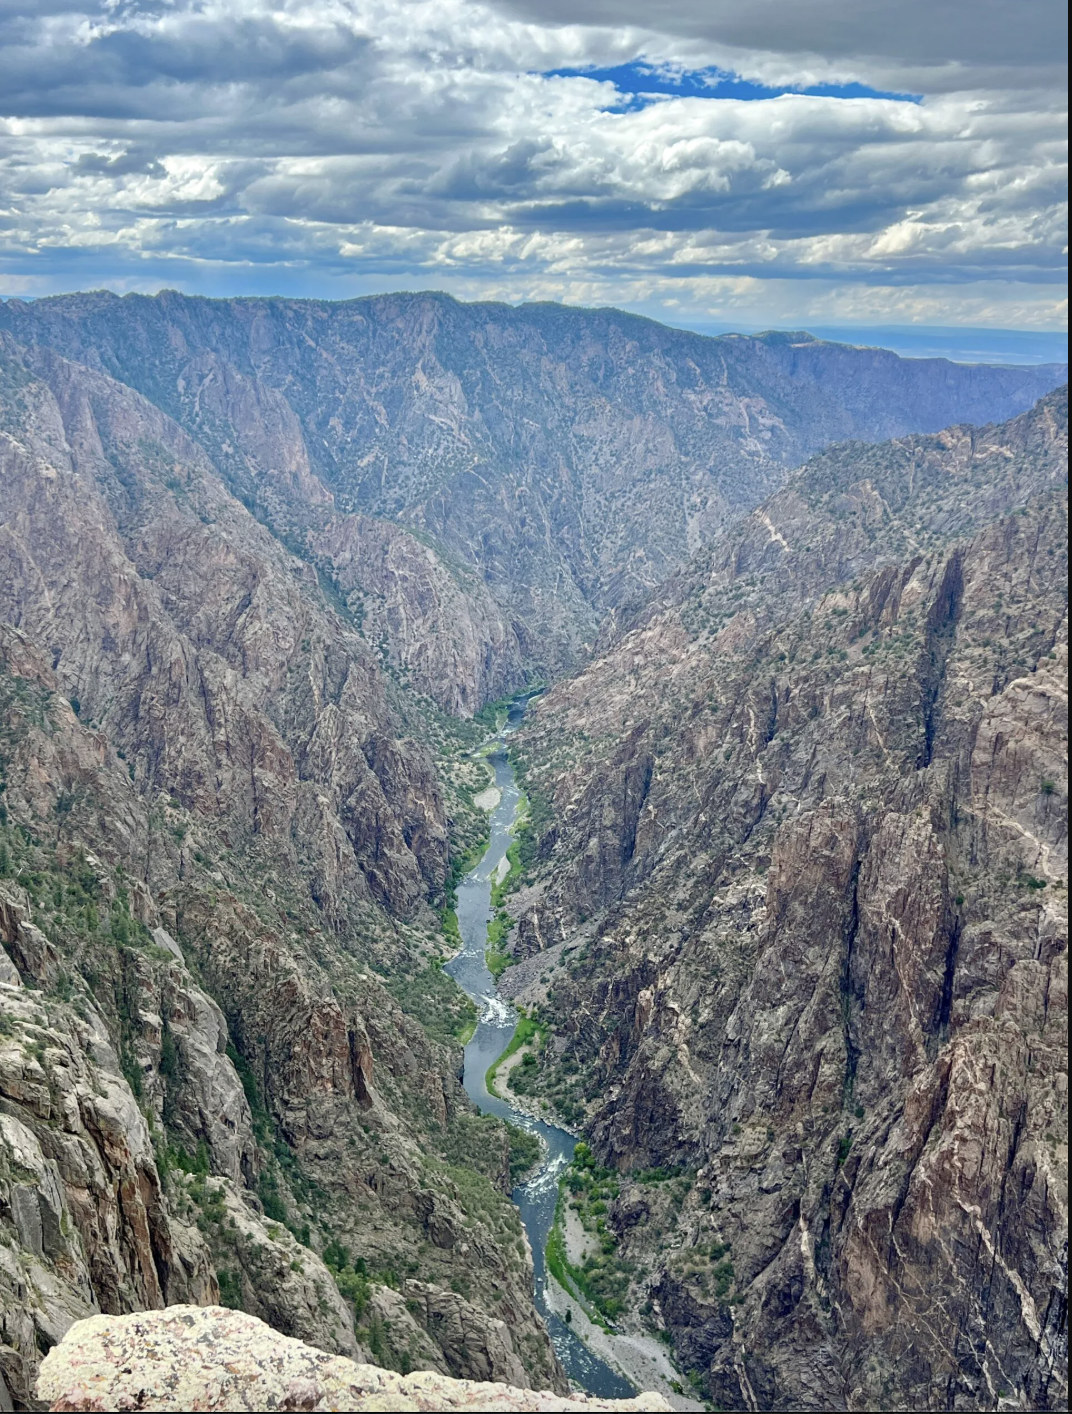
(941, 628)
(945, 1000)
(636, 793)
(852, 928)
(772, 720)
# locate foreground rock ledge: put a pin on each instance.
(207, 1357)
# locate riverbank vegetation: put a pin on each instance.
(492, 716)
(602, 1275)
(500, 923)
(526, 1151)
(527, 1030)
(495, 954)
(531, 826)
(438, 1003)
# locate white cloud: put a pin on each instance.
(340, 146)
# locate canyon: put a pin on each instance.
(788, 912)
(797, 921)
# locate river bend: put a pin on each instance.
(535, 1199)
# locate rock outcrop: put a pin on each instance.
(434, 618)
(190, 1358)
(219, 848)
(571, 458)
(804, 868)
(82, 1208)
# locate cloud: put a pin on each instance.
(984, 43)
(343, 145)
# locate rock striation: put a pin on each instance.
(189, 1358)
(802, 887)
(433, 616)
(563, 461)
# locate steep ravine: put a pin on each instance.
(594, 1358)
(536, 1197)
(797, 924)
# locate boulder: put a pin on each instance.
(206, 1357)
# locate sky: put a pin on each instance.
(713, 163)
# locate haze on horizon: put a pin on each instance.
(785, 163)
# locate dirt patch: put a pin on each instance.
(578, 1242)
(503, 1074)
(640, 1358)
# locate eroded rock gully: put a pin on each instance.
(822, 973)
(803, 868)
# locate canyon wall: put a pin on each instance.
(220, 848)
(798, 923)
(565, 461)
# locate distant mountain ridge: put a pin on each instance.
(571, 458)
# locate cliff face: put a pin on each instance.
(218, 847)
(806, 894)
(203, 651)
(572, 459)
(434, 620)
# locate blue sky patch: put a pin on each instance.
(636, 81)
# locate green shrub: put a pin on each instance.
(230, 1289)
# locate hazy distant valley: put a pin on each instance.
(787, 907)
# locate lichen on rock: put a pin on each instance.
(208, 1358)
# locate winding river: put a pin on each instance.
(537, 1198)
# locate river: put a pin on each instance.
(537, 1198)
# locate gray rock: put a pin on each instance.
(809, 846)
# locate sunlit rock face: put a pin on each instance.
(191, 1358)
(805, 890)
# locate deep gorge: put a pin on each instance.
(787, 912)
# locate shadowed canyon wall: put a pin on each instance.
(798, 920)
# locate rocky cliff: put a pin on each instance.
(797, 922)
(562, 461)
(796, 851)
(220, 847)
